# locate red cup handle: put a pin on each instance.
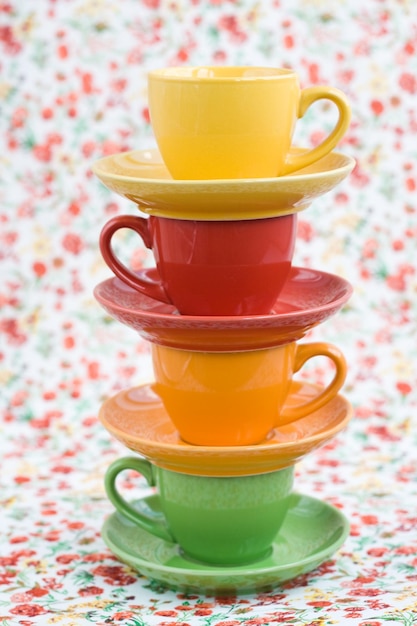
(151, 288)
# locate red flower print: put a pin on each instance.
(93, 369)
(6, 576)
(67, 558)
(408, 82)
(410, 184)
(11, 328)
(288, 41)
(90, 591)
(145, 115)
(305, 231)
(319, 604)
(358, 177)
(270, 598)
(39, 268)
(20, 598)
(31, 610)
(47, 113)
(12, 46)
(72, 243)
(122, 615)
(404, 388)
(114, 575)
(53, 535)
(406, 550)
(42, 153)
(366, 592)
(20, 480)
(166, 613)
(94, 558)
(110, 147)
(396, 282)
(62, 51)
(377, 107)
(378, 552)
(75, 525)
(227, 600)
(38, 592)
(369, 520)
(19, 117)
(88, 148)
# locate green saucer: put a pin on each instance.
(312, 531)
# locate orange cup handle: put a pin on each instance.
(303, 354)
(308, 96)
(151, 288)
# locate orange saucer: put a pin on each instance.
(137, 418)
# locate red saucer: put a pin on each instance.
(308, 298)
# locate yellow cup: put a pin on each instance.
(237, 398)
(235, 122)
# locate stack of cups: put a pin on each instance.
(222, 425)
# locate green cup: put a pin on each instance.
(218, 521)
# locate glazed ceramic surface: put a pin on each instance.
(209, 267)
(137, 418)
(215, 520)
(311, 532)
(141, 176)
(235, 122)
(237, 398)
(73, 89)
(308, 298)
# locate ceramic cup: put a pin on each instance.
(237, 398)
(210, 267)
(235, 122)
(219, 521)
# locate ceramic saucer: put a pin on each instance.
(137, 418)
(308, 298)
(142, 177)
(312, 531)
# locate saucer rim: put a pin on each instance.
(236, 451)
(237, 571)
(234, 319)
(222, 182)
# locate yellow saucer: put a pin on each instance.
(137, 418)
(142, 177)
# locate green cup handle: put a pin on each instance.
(155, 527)
(308, 96)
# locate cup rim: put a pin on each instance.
(224, 74)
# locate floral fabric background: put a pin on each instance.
(72, 89)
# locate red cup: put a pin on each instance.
(209, 267)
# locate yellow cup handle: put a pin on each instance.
(308, 96)
(304, 353)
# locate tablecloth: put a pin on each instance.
(73, 89)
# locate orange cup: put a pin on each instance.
(236, 398)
